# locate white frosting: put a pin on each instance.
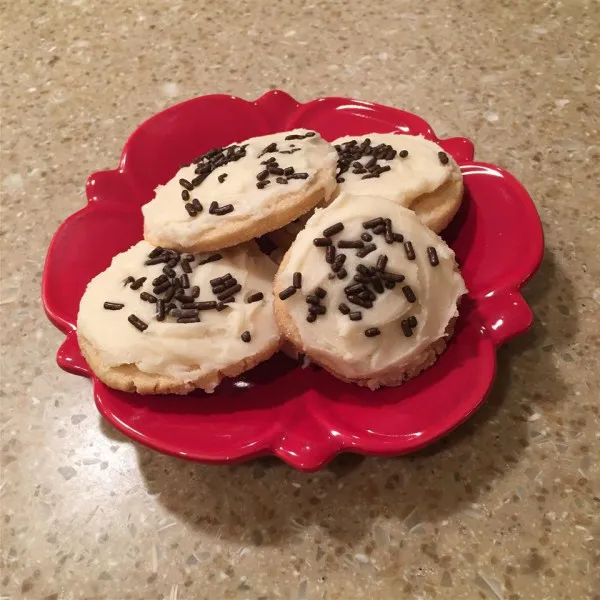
(166, 219)
(421, 172)
(185, 351)
(334, 335)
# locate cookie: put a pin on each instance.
(407, 169)
(160, 322)
(231, 195)
(368, 292)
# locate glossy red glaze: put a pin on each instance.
(303, 416)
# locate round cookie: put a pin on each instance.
(157, 322)
(407, 169)
(368, 292)
(231, 195)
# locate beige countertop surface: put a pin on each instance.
(504, 508)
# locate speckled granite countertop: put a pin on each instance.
(505, 508)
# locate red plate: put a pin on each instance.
(303, 416)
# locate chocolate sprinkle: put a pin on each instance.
(342, 273)
(338, 263)
(409, 294)
(364, 270)
(285, 294)
(211, 258)
(185, 281)
(356, 315)
(340, 179)
(160, 310)
(398, 237)
(379, 229)
(246, 337)
(410, 251)
(146, 297)
(189, 319)
(256, 297)
(312, 299)
(412, 321)
(311, 318)
(373, 223)
(229, 292)
(333, 229)
(355, 288)
(297, 280)
(389, 234)
(343, 308)
(222, 177)
(262, 184)
(263, 175)
(381, 262)
(298, 175)
(362, 279)
(138, 283)
(160, 279)
(213, 207)
(272, 147)
(322, 242)
(317, 309)
(137, 323)
(351, 244)
(288, 171)
(378, 285)
(394, 277)
(366, 237)
(320, 292)
(443, 158)
(207, 305)
(183, 298)
(186, 184)
(185, 195)
(372, 332)
(367, 295)
(162, 287)
(223, 210)
(156, 252)
(360, 302)
(406, 328)
(403, 153)
(185, 266)
(366, 250)
(185, 313)
(434, 261)
(330, 254)
(281, 180)
(113, 305)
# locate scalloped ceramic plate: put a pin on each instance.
(305, 417)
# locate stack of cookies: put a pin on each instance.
(356, 279)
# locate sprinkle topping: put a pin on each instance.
(113, 305)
